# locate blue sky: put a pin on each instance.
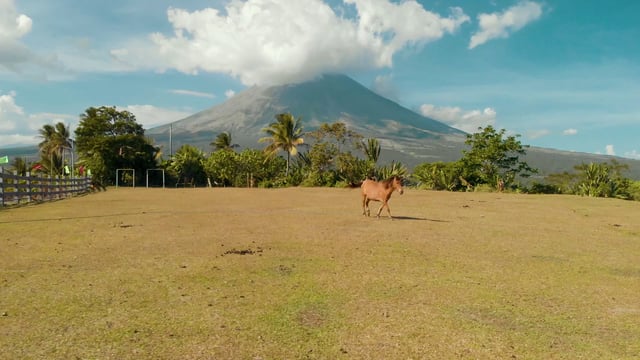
(563, 74)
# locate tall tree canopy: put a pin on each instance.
(108, 139)
(284, 134)
(55, 140)
(188, 165)
(494, 158)
(224, 141)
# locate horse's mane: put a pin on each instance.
(387, 182)
(390, 179)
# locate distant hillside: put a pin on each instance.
(30, 152)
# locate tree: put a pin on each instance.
(223, 142)
(352, 170)
(493, 158)
(603, 180)
(338, 134)
(108, 139)
(330, 156)
(371, 149)
(284, 134)
(564, 183)
(439, 175)
(256, 169)
(20, 166)
(391, 170)
(55, 139)
(221, 167)
(188, 165)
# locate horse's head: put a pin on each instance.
(396, 182)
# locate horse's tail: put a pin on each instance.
(354, 185)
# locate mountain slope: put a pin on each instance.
(325, 100)
(404, 135)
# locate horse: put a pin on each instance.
(379, 191)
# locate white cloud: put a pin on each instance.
(16, 140)
(34, 122)
(633, 154)
(280, 41)
(569, 132)
(536, 134)
(15, 56)
(465, 120)
(150, 116)
(8, 104)
(229, 93)
(192, 93)
(501, 25)
(610, 150)
(13, 27)
(18, 128)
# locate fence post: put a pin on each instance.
(29, 199)
(52, 187)
(1, 187)
(58, 187)
(16, 187)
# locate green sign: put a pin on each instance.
(4, 160)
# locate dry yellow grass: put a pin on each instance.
(299, 273)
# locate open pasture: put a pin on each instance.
(299, 273)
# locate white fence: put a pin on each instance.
(16, 190)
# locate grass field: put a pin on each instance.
(299, 273)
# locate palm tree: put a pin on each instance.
(284, 134)
(50, 164)
(371, 149)
(224, 142)
(55, 139)
(19, 166)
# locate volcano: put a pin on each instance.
(404, 135)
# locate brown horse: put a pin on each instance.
(379, 191)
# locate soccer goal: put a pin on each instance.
(155, 177)
(126, 177)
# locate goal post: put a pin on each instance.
(161, 170)
(133, 171)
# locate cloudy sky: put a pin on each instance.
(561, 73)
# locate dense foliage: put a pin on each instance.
(108, 139)
(492, 161)
(331, 155)
(594, 180)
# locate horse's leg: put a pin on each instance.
(384, 203)
(365, 205)
(364, 199)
